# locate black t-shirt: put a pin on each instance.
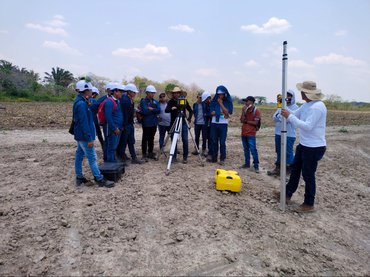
(174, 113)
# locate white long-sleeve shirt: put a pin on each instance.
(310, 118)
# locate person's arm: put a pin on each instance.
(83, 119)
(108, 111)
(277, 115)
(157, 108)
(170, 106)
(189, 110)
(309, 123)
(223, 108)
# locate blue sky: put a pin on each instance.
(207, 42)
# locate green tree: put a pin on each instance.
(59, 77)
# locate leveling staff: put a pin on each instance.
(175, 108)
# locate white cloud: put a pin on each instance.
(57, 21)
(51, 27)
(61, 46)
(182, 28)
(4, 32)
(333, 58)
(298, 64)
(341, 33)
(251, 63)
(273, 26)
(148, 52)
(234, 53)
(206, 72)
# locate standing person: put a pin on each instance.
(164, 119)
(128, 132)
(221, 108)
(200, 126)
(206, 99)
(149, 109)
(310, 119)
(95, 93)
(291, 106)
(175, 109)
(114, 121)
(250, 117)
(84, 134)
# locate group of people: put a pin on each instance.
(211, 119)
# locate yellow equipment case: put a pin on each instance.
(228, 180)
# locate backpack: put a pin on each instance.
(258, 126)
(138, 114)
(101, 115)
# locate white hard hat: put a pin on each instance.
(205, 95)
(82, 85)
(95, 90)
(131, 87)
(150, 88)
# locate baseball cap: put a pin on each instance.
(249, 98)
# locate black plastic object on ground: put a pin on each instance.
(112, 170)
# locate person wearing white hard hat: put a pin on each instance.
(112, 127)
(150, 110)
(84, 134)
(93, 100)
(310, 119)
(128, 132)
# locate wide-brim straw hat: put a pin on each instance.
(311, 91)
(176, 89)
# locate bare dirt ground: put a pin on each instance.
(153, 224)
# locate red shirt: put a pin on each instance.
(249, 130)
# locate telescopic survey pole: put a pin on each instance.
(283, 131)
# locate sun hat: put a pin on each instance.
(131, 87)
(82, 85)
(150, 88)
(205, 95)
(310, 90)
(176, 89)
(95, 90)
(249, 98)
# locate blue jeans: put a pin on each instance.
(250, 146)
(289, 149)
(201, 129)
(111, 144)
(305, 162)
(127, 138)
(82, 151)
(185, 142)
(162, 134)
(218, 136)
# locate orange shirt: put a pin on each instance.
(249, 130)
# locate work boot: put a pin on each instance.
(81, 180)
(275, 171)
(152, 156)
(105, 183)
(136, 161)
(195, 152)
(305, 208)
(145, 158)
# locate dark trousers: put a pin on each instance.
(201, 129)
(218, 137)
(100, 135)
(127, 139)
(305, 162)
(147, 144)
(162, 134)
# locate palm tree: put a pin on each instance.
(6, 66)
(59, 77)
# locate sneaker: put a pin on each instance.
(145, 158)
(257, 170)
(276, 196)
(305, 208)
(221, 162)
(81, 180)
(245, 166)
(137, 161)
(184, 161)
(195, 152)
(105, 183)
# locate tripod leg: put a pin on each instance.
(176, 133)
(195, 145)
(161, 150)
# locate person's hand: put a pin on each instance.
(213, 113)
(117, 132)
(150, 108)
(174, 108)
(285, 113)
(189, 121)
(90, 144)
(219, 100)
